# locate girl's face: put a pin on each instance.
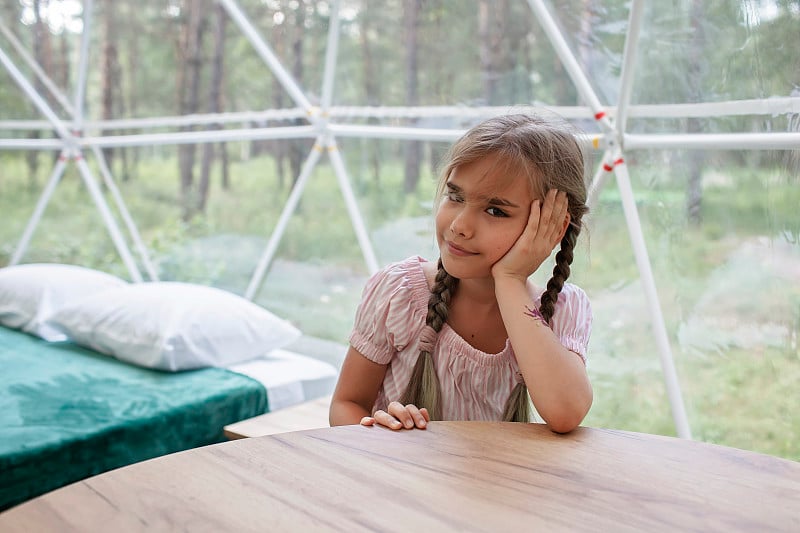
(482, 214)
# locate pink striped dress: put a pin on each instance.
(474, 385)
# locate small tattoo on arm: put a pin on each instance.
(536, 315)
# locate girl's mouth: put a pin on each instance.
(457, 250)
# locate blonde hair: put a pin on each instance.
(545, 152)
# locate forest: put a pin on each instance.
(172, 58)
(722, 225)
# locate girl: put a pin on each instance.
(463, 338)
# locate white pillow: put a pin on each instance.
(30, 293)
(174, 326)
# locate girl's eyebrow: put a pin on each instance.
(502, 201)
(491, 201)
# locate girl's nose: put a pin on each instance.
(462, 224)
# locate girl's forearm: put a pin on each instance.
(358, 385)
(344, 413)
(556, 377)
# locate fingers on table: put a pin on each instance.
(424, 413)
(385, 419)
(419, 417)
(398, 416)
(409, 415)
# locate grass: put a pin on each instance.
(729, 289)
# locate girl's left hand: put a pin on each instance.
(399, 416)
(544, 230)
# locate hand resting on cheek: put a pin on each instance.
(545, 228)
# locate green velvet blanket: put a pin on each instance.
(67, 413)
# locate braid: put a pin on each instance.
(423, 386)
(444, 286)
(560, 274)
(518, 408)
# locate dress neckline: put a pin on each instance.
(458, 346)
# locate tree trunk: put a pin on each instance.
(42, 54)
(694, 189)
(442, 83)
(120, 110)
(484, 52)
(64, 61)
(132, 58)
(584, 38)
(413, 148)
(225, 166)
(371, 88)
(280, 147)
(492, 30)
(296, 152)
(214, 103)
(525, 53)
(188, 88)
(108, 71)
(515, 54)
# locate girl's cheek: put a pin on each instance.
(502, 249)
(444, 217)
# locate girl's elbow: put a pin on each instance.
(566, 421)
(564, 425)
(334, 415)
(345, 413)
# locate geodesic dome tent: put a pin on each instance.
(670, 97)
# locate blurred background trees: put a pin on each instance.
(179, 57)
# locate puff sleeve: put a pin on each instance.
(389, 314)
(572, 319)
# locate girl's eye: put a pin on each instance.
(496, 212)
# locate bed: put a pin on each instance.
(68, 412)
(75, 407)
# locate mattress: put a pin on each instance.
(67, 413)
(289, 378)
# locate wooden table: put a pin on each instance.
(312, 414)
(457, 476)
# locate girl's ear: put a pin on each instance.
(567, 220)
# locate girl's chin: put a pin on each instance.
(463, 268)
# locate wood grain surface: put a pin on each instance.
(307, 415)
(454, 476)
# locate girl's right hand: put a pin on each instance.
(546, 226)
(399, 416)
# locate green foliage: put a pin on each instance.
(741, 399)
